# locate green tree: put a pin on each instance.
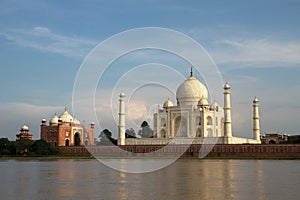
(13, 148)
(294, 139)
(41, 147)
(23, 146)
(130, 133)
(4, 146)
(145, 131)
(106, 138)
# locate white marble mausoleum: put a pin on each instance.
(192, 120)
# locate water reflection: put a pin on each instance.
(184, 179)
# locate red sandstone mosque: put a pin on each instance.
(66, 130)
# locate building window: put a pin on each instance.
(209, 120)
(216, 121)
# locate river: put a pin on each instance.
(184, 179)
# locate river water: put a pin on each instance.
(184, 179)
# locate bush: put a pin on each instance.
(39, 147)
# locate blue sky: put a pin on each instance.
(255, 44)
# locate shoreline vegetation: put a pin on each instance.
(41, 150)
(55, 157)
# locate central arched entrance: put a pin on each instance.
(180, 127)
(76, 139)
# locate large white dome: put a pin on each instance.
(66, 117)
(190, 92)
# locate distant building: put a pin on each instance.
(192, 119)
(24, 134)
(66, 130)
(274, 138)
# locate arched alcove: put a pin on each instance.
(67, 142)
(77, 139)
(180, 127)
(209, 120)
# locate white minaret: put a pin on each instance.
(227, 112)
(256, 128)
(121, 140)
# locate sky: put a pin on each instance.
(43, 44)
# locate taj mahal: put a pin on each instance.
(193, 120)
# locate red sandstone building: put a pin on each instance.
(66, 130)
(24, 134)
(273, 138)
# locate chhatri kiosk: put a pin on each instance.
(193, 120)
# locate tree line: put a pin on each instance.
(106, 138)
(26, 147)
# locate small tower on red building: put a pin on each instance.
(24, 134)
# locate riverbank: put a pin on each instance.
(217, 150)
(229, 151)
(147, 157)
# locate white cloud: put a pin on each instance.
(234, 47)
(45, 40)
(14, 115)
(256, 52)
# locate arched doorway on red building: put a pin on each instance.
(77, 139)
(67, 142)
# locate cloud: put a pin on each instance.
(45, 40)
(233, 47)
(18, 113)
(256, 52)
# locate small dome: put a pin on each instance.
(168, 103)
(214, 105)
(122, 94)
(203, 102)
(226, 86)
(191, 91)
(24, 128)
(255, 100)
(66, 117)
(54, 120)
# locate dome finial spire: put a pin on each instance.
(191, 75)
